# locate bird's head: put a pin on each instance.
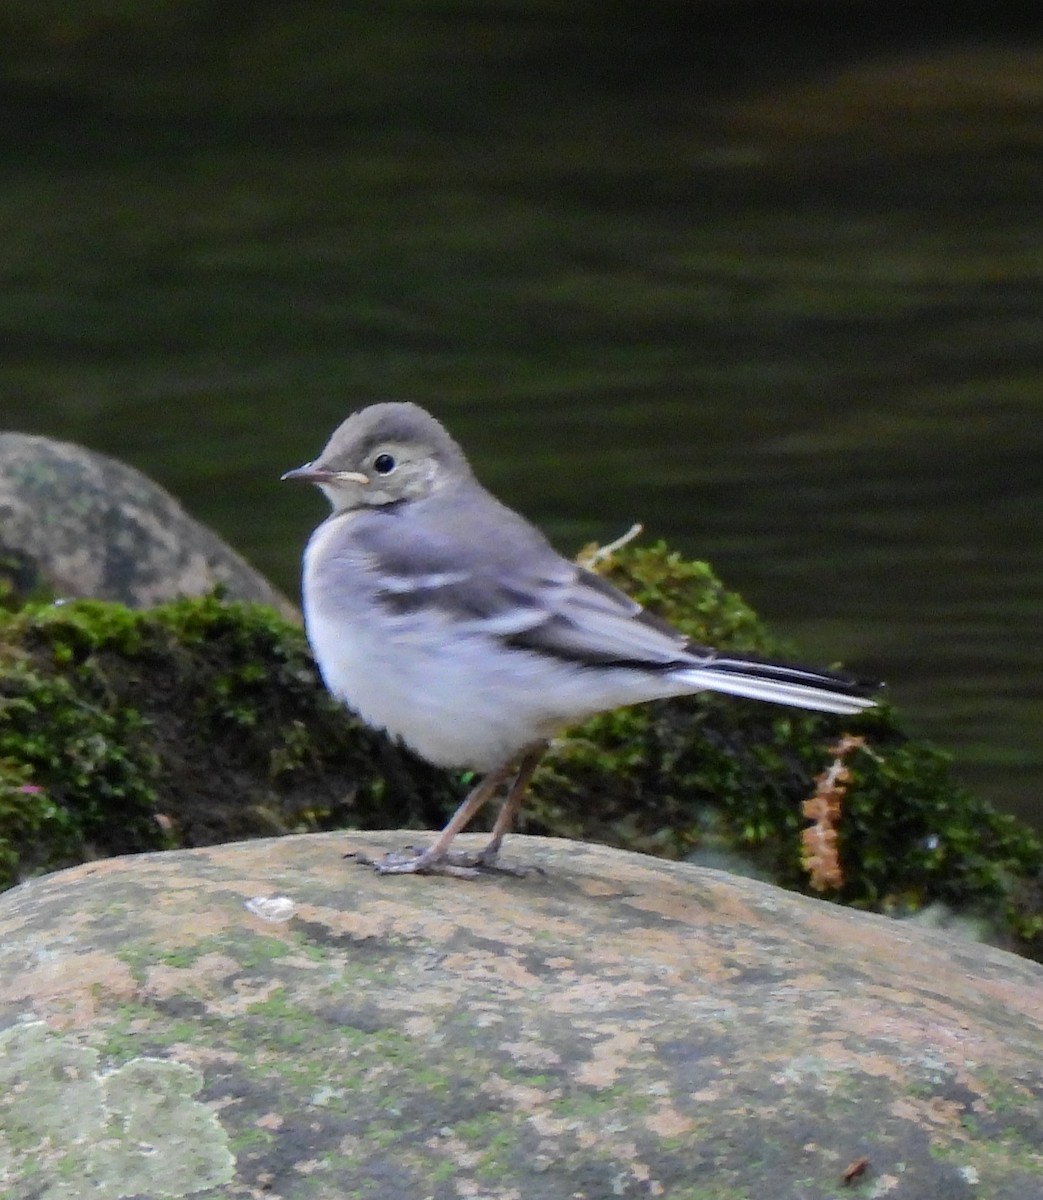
(384, 454)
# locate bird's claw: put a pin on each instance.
(414, 860)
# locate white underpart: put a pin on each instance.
(456, 693)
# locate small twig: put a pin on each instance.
(598, 555)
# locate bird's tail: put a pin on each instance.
(800, 687)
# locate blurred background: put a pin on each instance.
(764, 276)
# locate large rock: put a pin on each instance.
(614, 1026)
(77, 523)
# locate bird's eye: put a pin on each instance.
(383, 464)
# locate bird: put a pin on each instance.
(446, 619)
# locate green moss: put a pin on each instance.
(77, 770)
(688, 595)
(204, 721)
(706, 773)
(20, 580)
(599, 1105)
(196, 722)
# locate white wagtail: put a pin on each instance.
(443, 617)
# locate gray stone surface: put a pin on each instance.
(77, 523)
(613, 1026)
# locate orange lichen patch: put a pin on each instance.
(173, 929)
(803, 983)
(843, 1060)
(520, 1096)
(531, 1054)
(932, 1112)
(205, 975)
(687, 908)
(456, 1149)
(667, 1122)
(502, 970)
(918, 1024)
(380, 920)
(202, 1056)
(106, 866)
(501, 919)
(510, 970)
(72, 990)
(466, 1188)
(599, 887)
(245, 994)
(892, 951)
(550, 1127)
(883, 1185)
(592, 995)
(610, 1056)
(420, 1027)
(639, 1171)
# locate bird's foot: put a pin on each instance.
(414, 860)
(487, 862)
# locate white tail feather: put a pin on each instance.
(798, 695)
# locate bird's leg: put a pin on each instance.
(437, 859)
(489, 853)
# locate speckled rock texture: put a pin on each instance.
(77, 523)
(609, 1025)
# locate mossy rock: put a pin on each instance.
(204, 721)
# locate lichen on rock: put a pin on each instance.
(70, 1128)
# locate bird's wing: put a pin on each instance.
(589, 621)
(489, 571)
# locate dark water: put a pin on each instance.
(798, 333)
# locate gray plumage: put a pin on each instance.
(445, 618)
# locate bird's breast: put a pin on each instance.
(409, 673)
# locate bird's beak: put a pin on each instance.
(307, 473)
(310, 473)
